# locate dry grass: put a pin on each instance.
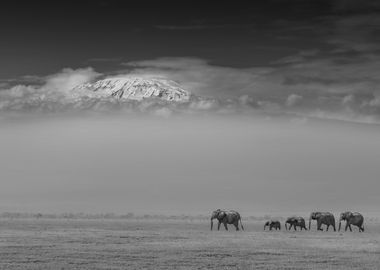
(120, 244)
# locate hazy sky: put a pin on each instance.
(289, 119)
(189, 165)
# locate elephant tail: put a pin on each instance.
(241, 224)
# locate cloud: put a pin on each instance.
(348, 100)
(293, 100)
(356, 33)
(4, 85)
(308, 88)
(204, 104)
(318, 83)
(69, 78)
(199, 76)
(49, 95)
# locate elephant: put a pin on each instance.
(227, 217)
(355, 218)
(295, 221)
(273, 224)
(322, 218)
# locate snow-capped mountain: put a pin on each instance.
(134, 88)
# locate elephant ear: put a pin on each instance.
(221, 215)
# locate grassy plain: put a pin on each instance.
(156, 244)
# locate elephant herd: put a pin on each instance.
(323, 218)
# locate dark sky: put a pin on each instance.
(42, 37)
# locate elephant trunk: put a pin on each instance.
(340, 224)
(310, 221)
(286, 225)
(241, 224)
(211, 224)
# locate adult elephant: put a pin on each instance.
(356, 219)
(226, 217)
(295, 222)
(323, 218)
(273, 224)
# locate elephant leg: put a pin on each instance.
(219, 225)
(270, 227)
(319, 225)
(334, 227)
(295, 227)
(327, 228)
(346, 227)
(236, 225)
(349, 226)
(225, 226)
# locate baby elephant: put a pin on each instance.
(295, 222)
(273, 224)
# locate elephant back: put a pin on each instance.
(328, 217)
(358, 218)
(232, 216)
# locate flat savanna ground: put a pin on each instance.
(125, 244)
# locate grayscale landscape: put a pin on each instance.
(134, 133)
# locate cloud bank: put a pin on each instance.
(324, 88)
(339, 80)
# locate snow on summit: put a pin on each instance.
(133, 88)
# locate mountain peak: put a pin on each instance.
(132, 88)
